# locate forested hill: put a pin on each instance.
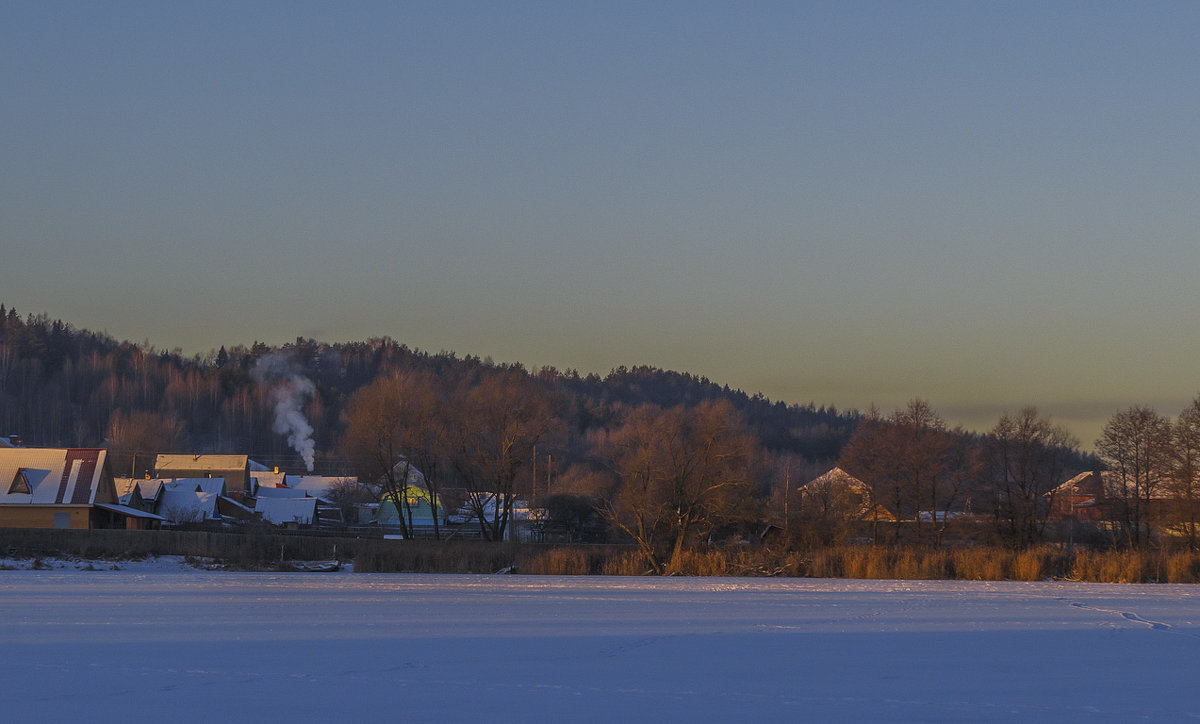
(61, 386)
(816, 433)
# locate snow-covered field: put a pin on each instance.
(158, 642)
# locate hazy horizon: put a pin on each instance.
(983, 206)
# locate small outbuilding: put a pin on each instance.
(287, 512)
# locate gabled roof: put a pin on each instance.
(281, 511)
(234, 468)
(149, 489)
(181, 505)
(836, 477)
(216, 486)
(415, 476)
(55, 476)
(317, 486)
(133, 498)
(1102, 485)
(201, 462)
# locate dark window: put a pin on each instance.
(20, 483)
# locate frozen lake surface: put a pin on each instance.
(190, 646)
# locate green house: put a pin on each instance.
(419, 501)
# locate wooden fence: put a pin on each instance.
(263, 550)
(237, 547)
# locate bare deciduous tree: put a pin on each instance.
(347, 494)
(679, 472)
(1025, 459)
(1183, 484)
(139, 436)
(832, 507)
(1135, 444)
(395, 429)
(914, 465)
(499, 420)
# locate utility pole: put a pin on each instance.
(787, 493)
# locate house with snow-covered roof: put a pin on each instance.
(216, 486)
(416, 504)
(318, 486)
(287, 512)
(266, 479)
(140, 493)
(63, 488)
(183, 505)
(1098, 496)
(235, 469)
(838, 489)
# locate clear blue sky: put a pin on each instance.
(987, 205)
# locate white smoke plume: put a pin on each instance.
(289, 391)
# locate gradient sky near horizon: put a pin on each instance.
(987, 205)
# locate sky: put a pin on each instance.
(985, 205)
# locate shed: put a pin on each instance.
(287, 512)
(181, 505)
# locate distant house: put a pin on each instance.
(478, 505)
(216, 486)
(266, 479)
(1097, 496)
(839, 492)
(318, 486)
(235, 469)
(63, 488)
(287, 512)
(140, 493)
(231, 510)
(415, 498)
(184, 505)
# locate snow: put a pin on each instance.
(158, 640)
(286, 510)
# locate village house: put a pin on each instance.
(63, 488)
(287, 512)
(140, 493)
(838, 492)
(235, 469)
(1099, 497)
(415, 500)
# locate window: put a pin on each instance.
(62, 520)
(20, 483)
